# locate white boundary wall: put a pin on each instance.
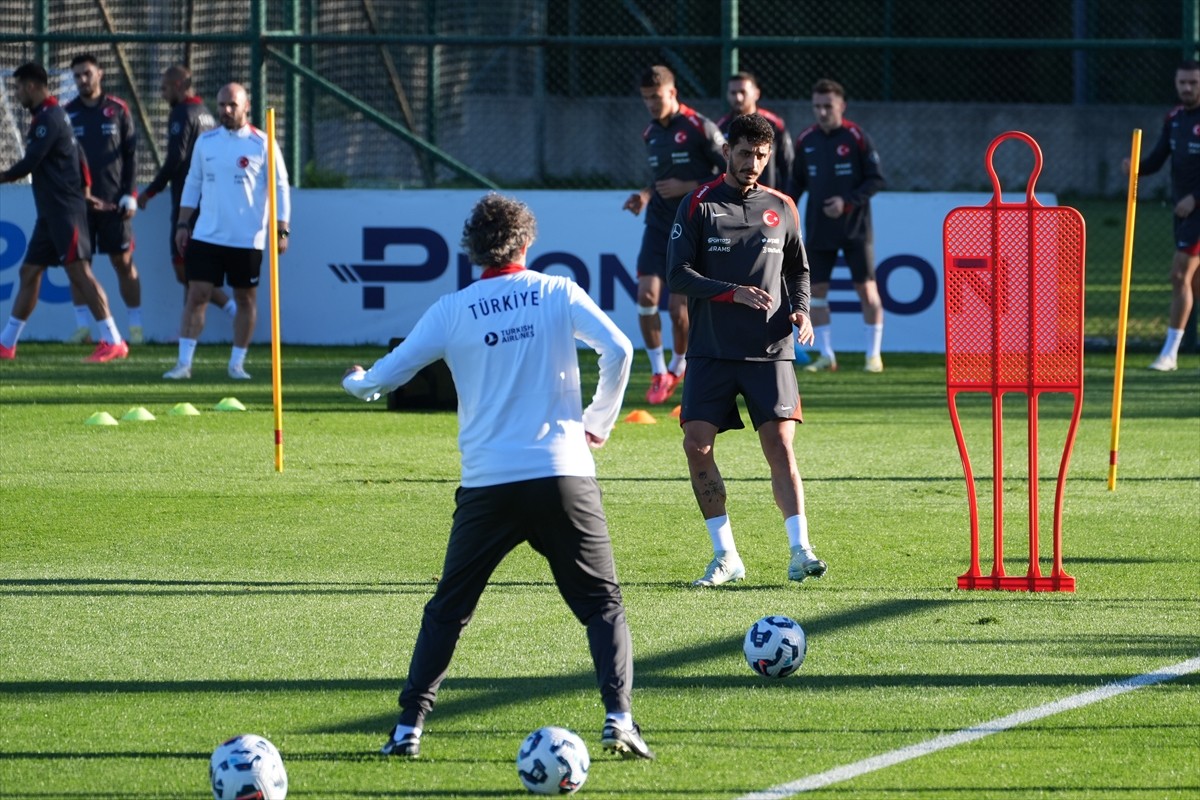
(364, 264)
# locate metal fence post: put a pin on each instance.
(291, 147)
(258, 63)
(41, 25)
(729, 34)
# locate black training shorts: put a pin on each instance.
(652, 258)
(860, 257)
(59, 240)
(1187, 233)
(214, 263)
(111, 233)
(712, 386)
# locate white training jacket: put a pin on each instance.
(509, 341)
(227, 181)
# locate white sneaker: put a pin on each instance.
(238, 372)
(82, 335)
(725, 567)
(804, 564)
(874, 364)
(179, 372)
(1163, 364)
(822, 364)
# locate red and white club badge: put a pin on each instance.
(243, 162)
(680, 137)
(843, 150)
(770, 218)
(109, 111)
(1196, 130)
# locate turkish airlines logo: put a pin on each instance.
(491, 338)
(243, 162)
(770, 218)
(680, 137)
(843, 150)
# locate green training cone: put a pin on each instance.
(230, 404)
(101, 418)
(138, 414)
(183, 410)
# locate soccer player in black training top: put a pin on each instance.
(188, 119)
(60, 234)
(684, 150)
(736, 253)
(104, 127)
(1180, 142)
(838, 166)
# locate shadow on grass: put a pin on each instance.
(654, 672)
(132, 587)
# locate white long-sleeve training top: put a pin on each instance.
(509, 341)
(227, 180)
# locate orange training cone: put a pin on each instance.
(641, 417)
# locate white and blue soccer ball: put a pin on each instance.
(247, 767)
(553, 760)
(775, 646)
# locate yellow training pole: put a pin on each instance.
(1123, 313)
(273, 249)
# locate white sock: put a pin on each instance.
(135, 316)
(12, 332)
(237, 356)
(721, 533)
(825, 340)
(620, 719)
(797, 532)
(1171, 345)
(83, 317)
(230, 308)
(403, 730)
(108, 331)
(874, 339)
(187, 351)
(658, 364)
(678, 363)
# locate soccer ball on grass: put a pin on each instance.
(553, 760)
(775, 646)
(249, 767)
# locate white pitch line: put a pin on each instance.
(849, 771)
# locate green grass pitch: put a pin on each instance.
(163, 588)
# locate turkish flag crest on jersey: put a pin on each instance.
(243, 162)
(770, 218)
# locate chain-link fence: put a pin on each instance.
(543, 93)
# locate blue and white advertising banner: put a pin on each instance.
(364, 264)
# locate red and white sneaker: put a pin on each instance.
(106, 351)
(662, 386)
(8, 353)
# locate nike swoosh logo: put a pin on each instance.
(719, 215)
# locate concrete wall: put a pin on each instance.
(924, 146)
